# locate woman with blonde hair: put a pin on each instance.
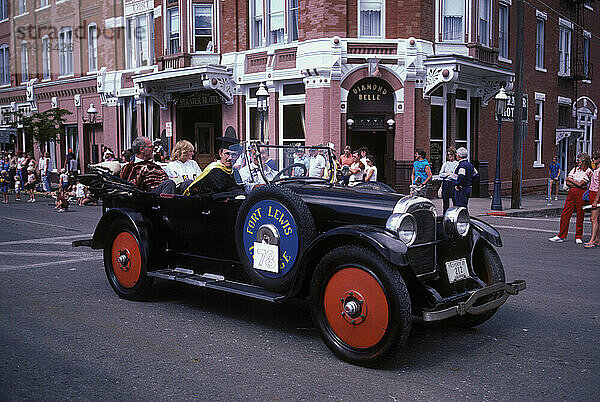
(182, 166)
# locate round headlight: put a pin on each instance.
(457, 221)
(404, 226)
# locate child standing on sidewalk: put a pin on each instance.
(63, 179)
(17, 188)
(30, 185)
(4, 182)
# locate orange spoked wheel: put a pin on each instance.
(125, 261)
(360, 305)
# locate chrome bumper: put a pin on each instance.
(467, 306)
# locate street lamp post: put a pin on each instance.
(261, 108)
(501, 101)
(92, 113)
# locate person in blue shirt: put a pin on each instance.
(421, 173)
(465, 172)
(554, 171)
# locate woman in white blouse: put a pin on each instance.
(448, 177)
(182, 167)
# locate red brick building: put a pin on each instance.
(52, 52)
(390, 75)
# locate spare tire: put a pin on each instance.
(278, 216)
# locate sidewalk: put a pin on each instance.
(531, 206)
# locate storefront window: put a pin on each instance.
(294, 124)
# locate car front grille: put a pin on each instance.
(422, 258)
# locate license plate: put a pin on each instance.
(266, 257)
(457, 270)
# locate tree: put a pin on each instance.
(43, 127)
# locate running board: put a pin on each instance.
(82, 243)
(217, 282)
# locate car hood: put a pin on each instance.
(333, 206)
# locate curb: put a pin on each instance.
(536, 213)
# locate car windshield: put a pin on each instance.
(258, 163)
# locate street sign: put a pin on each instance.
(169, 129)
(509, 113)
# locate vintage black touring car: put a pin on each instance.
(367, 260)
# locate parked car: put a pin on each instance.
(366, 260)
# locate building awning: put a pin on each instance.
(484, 79)
(571, 133)
(162, 84)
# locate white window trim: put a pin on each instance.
(2, 47)
(92, 24)
(288, 10)
(133, 51)
(441, 101)
(540, 15)
(538, 68)
(565, 23)
(26, 60)
(539, 136)
(382, 34)
(192, 32)
(564, 101)
(42, 8)
(440, 26)
(267, 22)
(463, 104)
(489, 21)
(253, 103)
(47, 52)
(253, 34)
(166, 23)
(507, 5)
(5, 10)
(63, 74)
(286, 101)
(569, 29)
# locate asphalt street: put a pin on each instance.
(64, 334)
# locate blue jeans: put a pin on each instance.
(448, 193)
(46, 182)
(461, 197)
